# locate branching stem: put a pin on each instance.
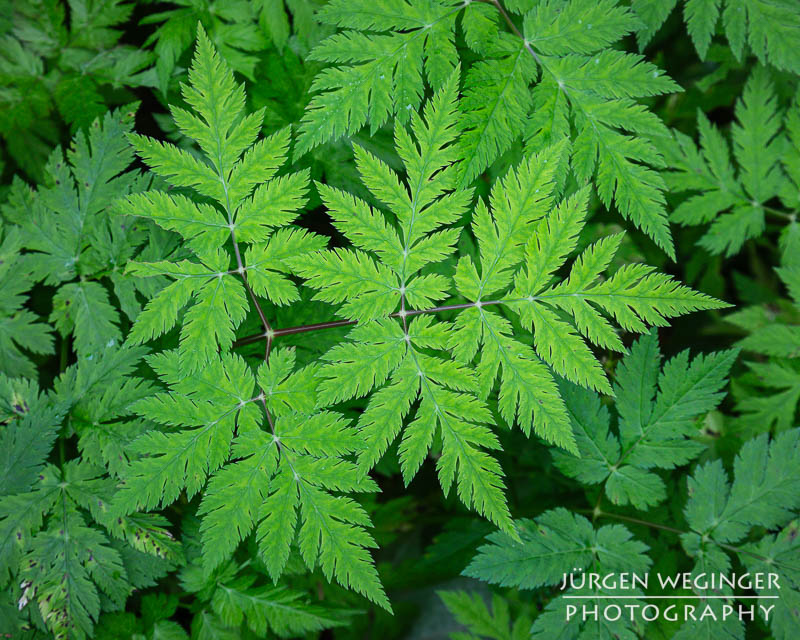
(514, 28)
(335, 324)
(243, 272)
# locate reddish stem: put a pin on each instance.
(346, 323)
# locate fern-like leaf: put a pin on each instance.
(655, 430)
(733, 202)
(235, 171)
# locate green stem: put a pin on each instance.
(790, 216)
(514, 28)
(599, 513)
(64, 354)
(729, 547)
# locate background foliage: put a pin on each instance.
(372, 318)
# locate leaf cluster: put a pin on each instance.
(327, 318)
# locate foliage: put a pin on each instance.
(382, 75)
(472, 612)
(767, 29)
(371, 291)
(302, 459)
(717, 513)
(50, 64)
(68, 553)
(336, 318)
(281, 476)
(736, 203)
(776, 338)
(654, 430)
(19, 328)
(73, 241)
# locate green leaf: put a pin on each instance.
(384, 54)
(762, 493)
(471, 611)
(655, 429)
(734, 204)
(83, 308)
(235, 171)
(19, 329)
(379, 74)
(555, 540)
